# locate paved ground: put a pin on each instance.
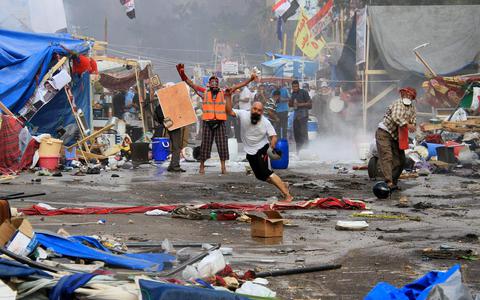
(390, 250)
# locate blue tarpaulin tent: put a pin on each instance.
(289, 66)
(25, 59)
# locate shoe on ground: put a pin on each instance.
(177, 170)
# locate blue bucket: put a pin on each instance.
(70, 156)
(432, 149)
(160, 149)
(281, 163)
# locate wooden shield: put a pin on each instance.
(177, 105)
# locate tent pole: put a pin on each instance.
(365, 86)
(293, 44)
(140, 99)
(284, 47)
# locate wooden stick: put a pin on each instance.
(425, 63)
(6, 110)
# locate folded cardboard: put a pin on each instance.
(17, 236)
(267, 227)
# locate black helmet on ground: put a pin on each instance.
(381, 190)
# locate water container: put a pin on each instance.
(140, 152)
(160, 149)
(403, 137)
(50, 147)
(233, 149)
(70, 155)
(312, 127)
(282, 163)
(49, 162)
(432, 149)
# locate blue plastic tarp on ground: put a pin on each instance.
(57, 112)
(165, 291)
(417, 290)
(153, 262)
(67, 285)
(10, 268)
(23, 56)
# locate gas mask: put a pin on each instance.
(407, 101)
(214, 86)
(255, 118)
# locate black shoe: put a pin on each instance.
(177, 169)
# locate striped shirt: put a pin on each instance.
(397, 115)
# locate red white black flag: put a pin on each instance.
(129, 7)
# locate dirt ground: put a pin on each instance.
(390, 250)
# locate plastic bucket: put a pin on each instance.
(432, 149)
(233, 149)
(160, 149)
(70, 156)
(312, 127)
(456, 147)
(50, 147)
(281, 163)
(49, 162)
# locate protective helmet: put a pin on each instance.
(381, 190)
(274, 154)
(409, 91)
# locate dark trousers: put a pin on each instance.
(175, 146)
(390, 157)
(282, 124)
(300, 132)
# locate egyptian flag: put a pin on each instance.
(285, 9)
(129, 7)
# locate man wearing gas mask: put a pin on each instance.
(214, 116)
(400, 113)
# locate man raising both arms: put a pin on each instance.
(214, 116)
(256, 130)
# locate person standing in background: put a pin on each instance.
(244, 98)
(301, 103)
(282, 112)
(261, 95)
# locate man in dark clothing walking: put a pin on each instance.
(175, 140)
(301, 103)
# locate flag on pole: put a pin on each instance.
(129, 7)
(321, 19)
(305, 40)
(280, 29)
(285, 8)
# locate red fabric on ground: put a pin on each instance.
(320, 203)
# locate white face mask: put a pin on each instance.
(406, 101)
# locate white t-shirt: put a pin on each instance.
(254, 137)
(246, 94)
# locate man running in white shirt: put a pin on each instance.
(256, 131)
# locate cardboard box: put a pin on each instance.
(18, 237)
(267, 227)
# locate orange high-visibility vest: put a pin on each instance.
(214, 109)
